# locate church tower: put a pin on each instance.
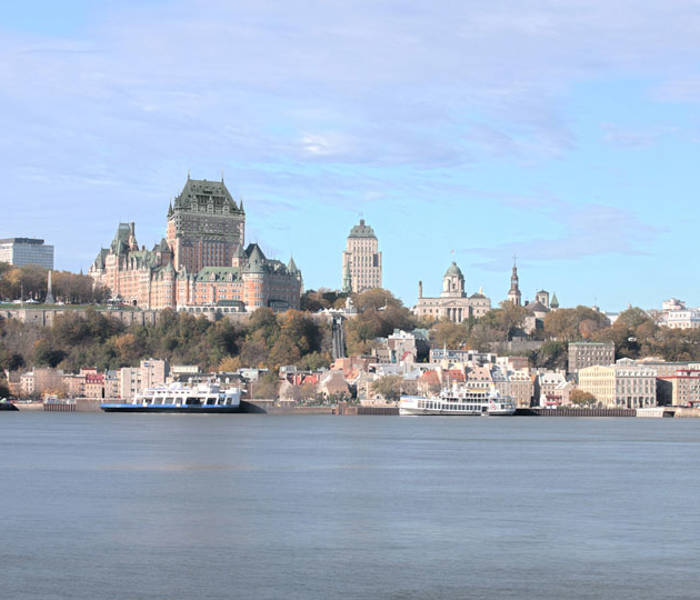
(514, 295)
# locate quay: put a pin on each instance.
(575, 412)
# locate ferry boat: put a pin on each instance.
(177, 398)
(461, 401)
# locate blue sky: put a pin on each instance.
(566, 133)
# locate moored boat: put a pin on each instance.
(177, 398)
(458, 400)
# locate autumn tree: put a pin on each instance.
(581, 398)
(389, 387)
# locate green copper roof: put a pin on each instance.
(362, 231)
(200, 193)
(453, 270)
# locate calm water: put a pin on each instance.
(163, 507)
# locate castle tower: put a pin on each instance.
(514, 294)
(205, 226)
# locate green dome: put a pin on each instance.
(453, 270)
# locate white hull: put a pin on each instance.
(467, 403)
(424, 412)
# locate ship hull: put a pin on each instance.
(188, 410)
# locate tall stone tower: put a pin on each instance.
(362, 261)
(205, 226)
(514, 294)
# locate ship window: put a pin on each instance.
(192, 401)
(211, 401)
(147, 400)
(167, 400)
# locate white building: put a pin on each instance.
(623, 385)
(453, 302)
(26, 251)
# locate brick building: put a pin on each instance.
(201, 261)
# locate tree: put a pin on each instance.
(265, 388)
(229, 364)
(552, 355)
(581, 398)
(375, 298)
(389, 387)
(446, 334)
(47, 355)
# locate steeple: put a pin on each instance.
(554, 304)
(514, 294)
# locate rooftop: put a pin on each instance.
(362, 231)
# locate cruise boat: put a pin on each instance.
(178, 398)
(458, 400)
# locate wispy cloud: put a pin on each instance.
(576, 232)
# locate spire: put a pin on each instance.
(555, 301)
(291, 266)
(514, 294)
(170, 209)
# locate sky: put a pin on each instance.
(564, 133)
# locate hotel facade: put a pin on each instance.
(202, 260)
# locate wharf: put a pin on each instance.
(575, 412)
(273, 407)
(348, 410)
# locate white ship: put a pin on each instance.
(459, 400)
(178, 398)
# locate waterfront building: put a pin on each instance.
(362, 261)
(26, 251)
(453, 302)
(625, 385)
(201, 261)
(150, 373)
(680, 389)
(588, 354)
(554, 389)
(516, 384)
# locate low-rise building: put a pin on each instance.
(554, 389)
(620, 385)
(683, 385)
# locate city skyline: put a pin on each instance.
(464, 134)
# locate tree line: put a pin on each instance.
(31, 281)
